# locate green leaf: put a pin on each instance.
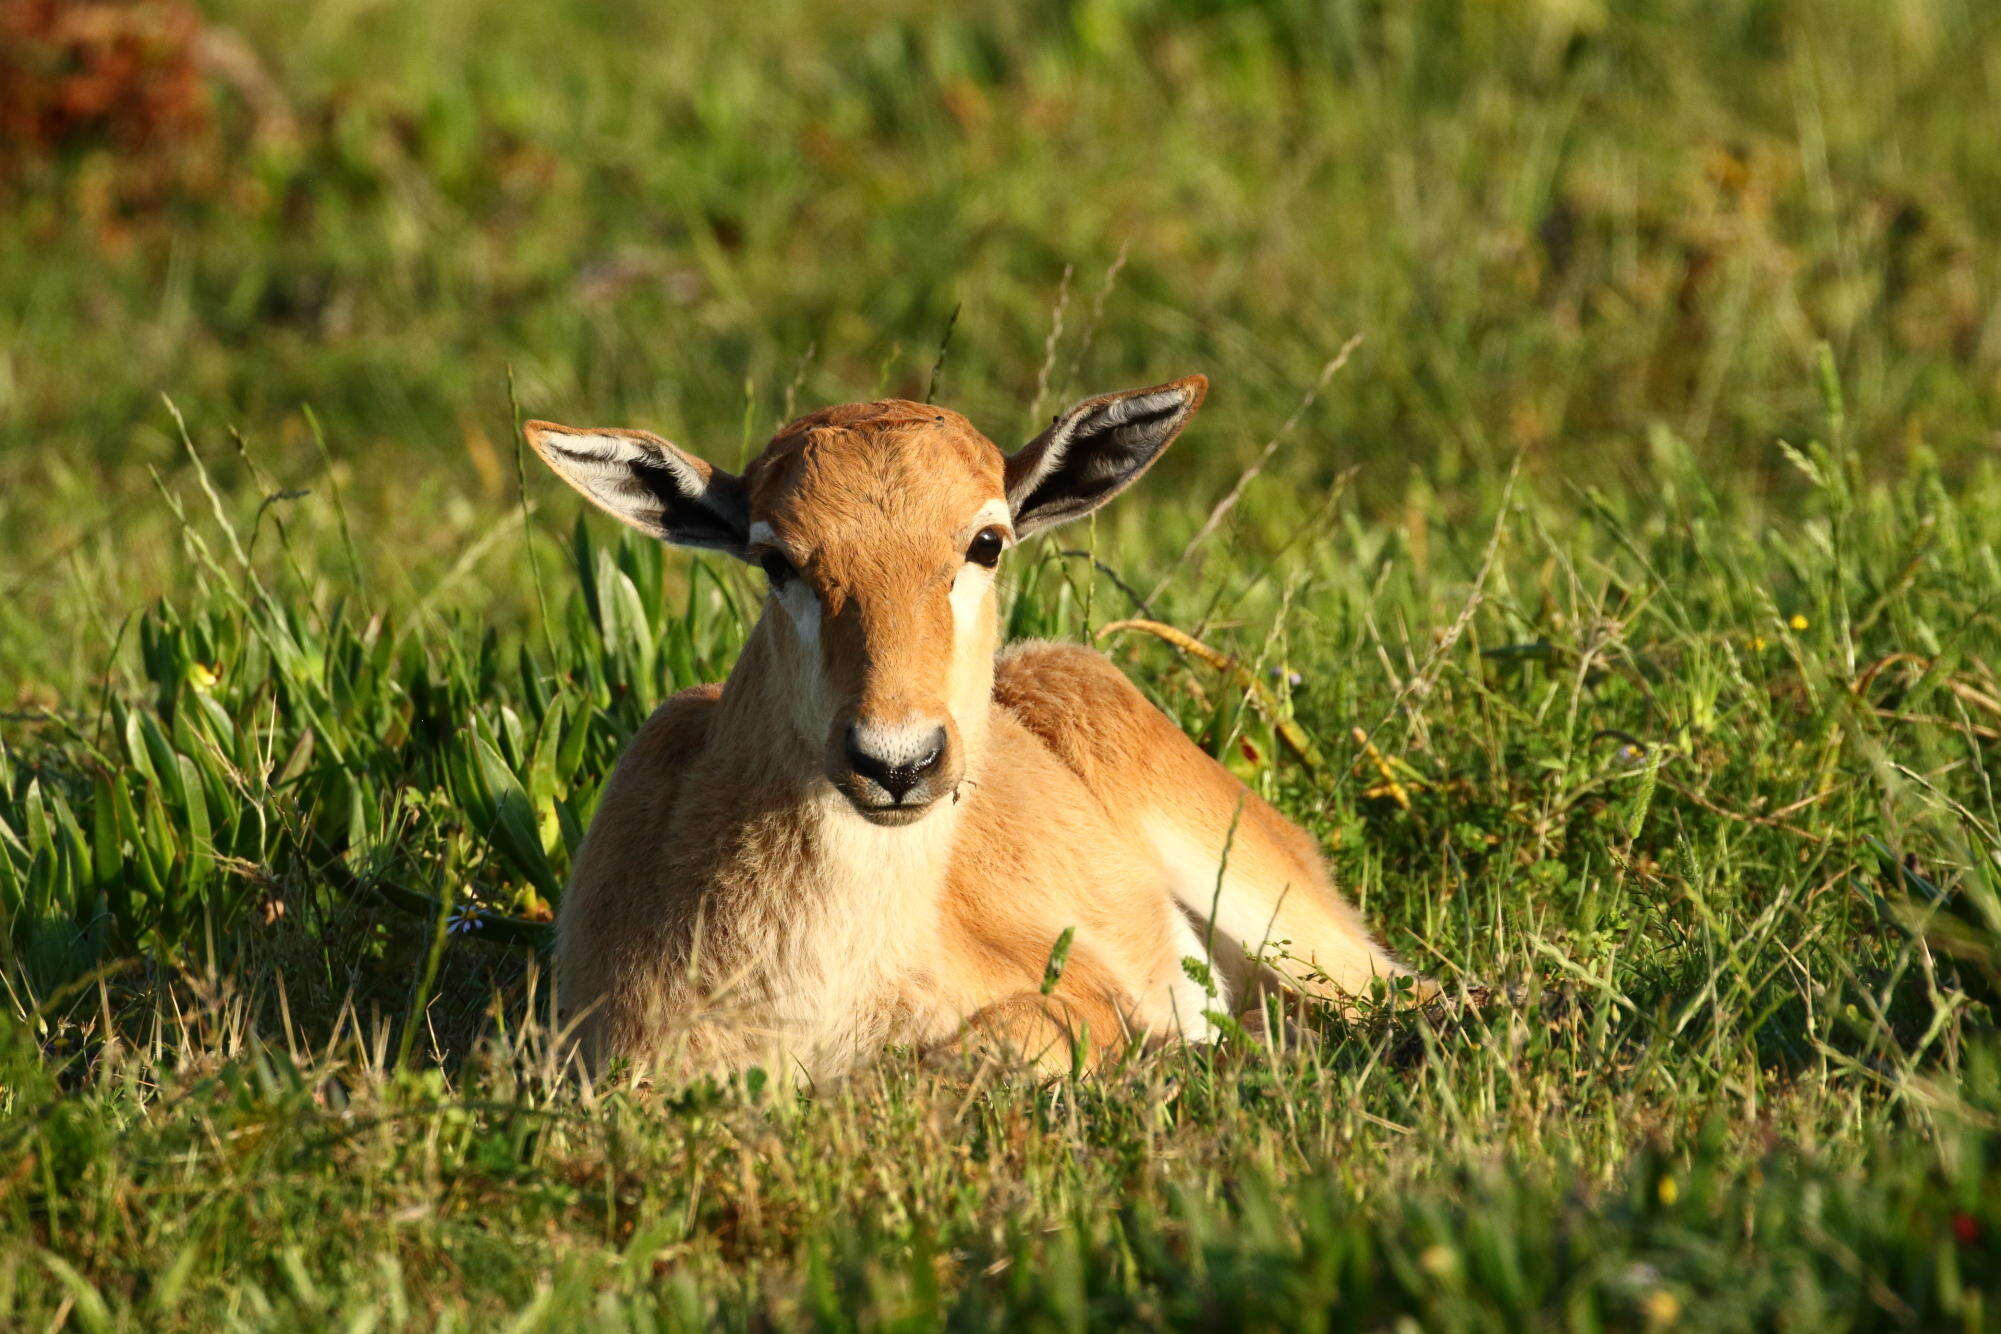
(514, 827)
(1059, 957)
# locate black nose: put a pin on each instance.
(896, 773)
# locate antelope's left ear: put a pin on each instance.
(652, 484)
(1096, 450)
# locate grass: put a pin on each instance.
(1632, 585)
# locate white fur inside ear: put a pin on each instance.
(644, 481)
(1091, 453)
(615, 472)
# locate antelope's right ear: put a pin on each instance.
(1096, 450)
(638, 478)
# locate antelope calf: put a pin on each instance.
(878, 827)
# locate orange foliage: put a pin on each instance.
(121, 74)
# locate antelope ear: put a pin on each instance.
(658, 488)
(1096, 450)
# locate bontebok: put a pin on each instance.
(878, 828)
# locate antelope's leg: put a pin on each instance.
(1250, 881)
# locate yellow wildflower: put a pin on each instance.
(1437, 1260)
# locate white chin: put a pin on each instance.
(892, 817)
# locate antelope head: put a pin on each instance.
(879, 527)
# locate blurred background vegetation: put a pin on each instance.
(1563, 227)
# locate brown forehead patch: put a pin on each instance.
(893, 458)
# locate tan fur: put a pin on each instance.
(730, 907)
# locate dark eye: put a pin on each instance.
(776, 568)
(986, 547)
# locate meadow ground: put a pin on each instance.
(1623, 615)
